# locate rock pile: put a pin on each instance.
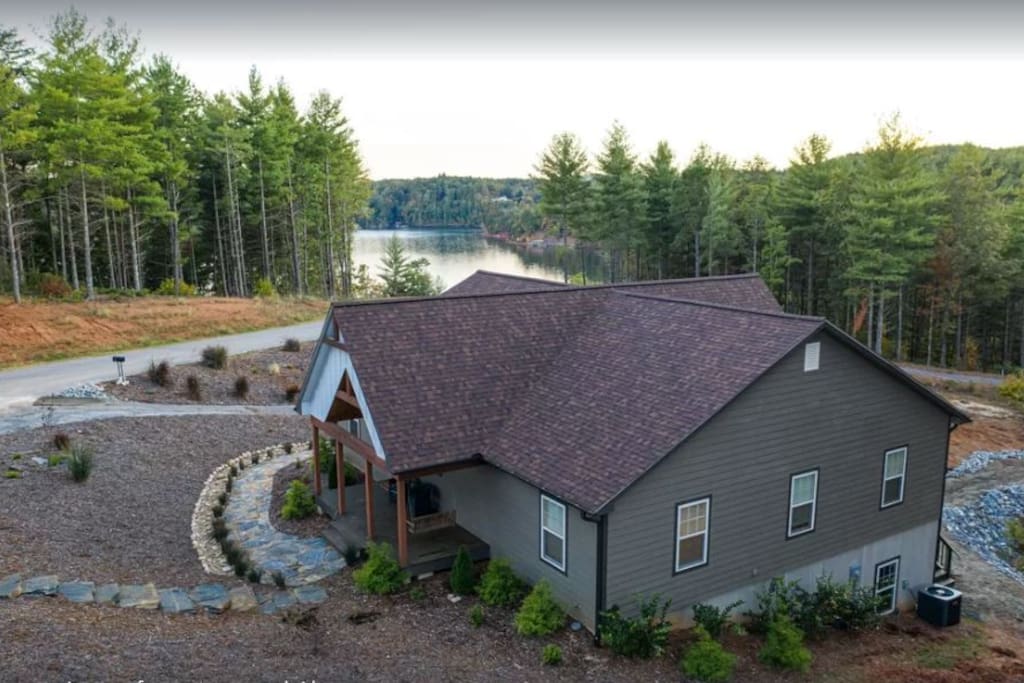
(981, 526)
(979, 460)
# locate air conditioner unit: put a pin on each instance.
(939, 605)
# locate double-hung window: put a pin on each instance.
(887, 575)
(803, 502)
(893, 476)
(552, 532)
(692, 523)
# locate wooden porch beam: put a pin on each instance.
(360, 447)
(368, 481)
(349, 400)
(403, 527)
(440, 469)
(339, 461)
(316, 458)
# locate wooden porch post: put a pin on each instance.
(339, 461)
(403, 529)
(368, 481)
(316, 460)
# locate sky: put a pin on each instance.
(475, 88)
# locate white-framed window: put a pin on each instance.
(803, 502)
(894, 475)
(693, 520)
(552, 532)
(887, 577)
(812, 356)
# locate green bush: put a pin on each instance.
(352, 554)
(784, 646)
(255, 575)
(713, 619)
(418, 593)
(279, 580)
(539, 614)
(166, 288)
(292, 345)
(298, 501)
(499, 586)
(160, 373)
(706, 660)
(12, 474)
(57, 459)
(831, 605)
(1013, 388)
(476, 616)
(551, 655)
(195, 392)
(380, 574)
(1015, 534)
(462, 581)
(79, 461)
(215, 357)
(644, 636)
(264, 289)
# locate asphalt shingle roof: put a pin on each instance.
(578, 390)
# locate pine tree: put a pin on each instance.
(661, 187)
(619, 202)
(562, 183)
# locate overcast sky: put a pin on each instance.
(473, 88)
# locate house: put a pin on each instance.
(686, 438)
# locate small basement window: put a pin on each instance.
(893, 476)
(552, 532)
(692, 521)
(803, 501)
(812, 356)
(887, 575)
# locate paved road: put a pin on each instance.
(953, 376)
(21, 386)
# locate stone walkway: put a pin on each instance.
(300, 560)
(211, 597)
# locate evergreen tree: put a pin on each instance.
(564, 190)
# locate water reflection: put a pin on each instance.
(455, 254)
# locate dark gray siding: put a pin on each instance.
(841, 419)
(505, 512)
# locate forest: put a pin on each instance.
(118, 174)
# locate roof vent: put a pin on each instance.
(812, 354)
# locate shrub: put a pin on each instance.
(279, 580)
(57, 459)
(462, 580)
(551, 655)
(352, 554)
(298, 501)
(539, 614)
(12, 474)
(713, 619)
(779, 597)
(831, 604)
(264, 289)
(476, 616)
(232, 473)
(292, 345)
(160, 373)
(292, 392)
(418, 593)
(79, 463)
(381, 574)
(215, 357)
(220, 531)
(644, 636)
(241, 567)
(61, 441)
(499, 586)
(195, 393)
(53, 286)
(289, 448)
(222, 499)
(1012, 388)
(784, 646)
(242, 387)
(218, 510)
(255, 575)
(166, 288)
(707, 660)
(229, 484)
(1015, 534)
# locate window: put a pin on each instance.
(812, 356)
(893, 476)
(692, 522)
(552, 532)
(803, 499)
(887, 576)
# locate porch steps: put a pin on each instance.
(334, 537)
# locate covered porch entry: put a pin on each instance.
(401, 510)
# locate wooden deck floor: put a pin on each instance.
(428, 551)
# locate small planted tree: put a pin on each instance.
(707, 661)
(784, 646)
(215, 357)
(644, 636)
(380, 574)
(79, 461)
(499, 586)
(462, 581)
(539, 614)
(298, 501)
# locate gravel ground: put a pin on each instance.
(311, 526)
(130, 522)
(218, 386)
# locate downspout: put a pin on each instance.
(600, 570)
(942, 503)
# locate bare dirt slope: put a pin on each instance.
(39, 331)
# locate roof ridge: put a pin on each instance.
(510, 276)
(725, 307)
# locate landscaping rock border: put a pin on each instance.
(981, 526)
(979, 460)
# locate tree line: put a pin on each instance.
(918, 251)
(118, 173)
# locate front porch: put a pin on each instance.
(427, 551)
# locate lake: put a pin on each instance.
(454, 254)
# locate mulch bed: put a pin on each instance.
(217, 387)
(131, 520)
(310, 526)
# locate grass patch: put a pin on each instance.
(946, 654)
